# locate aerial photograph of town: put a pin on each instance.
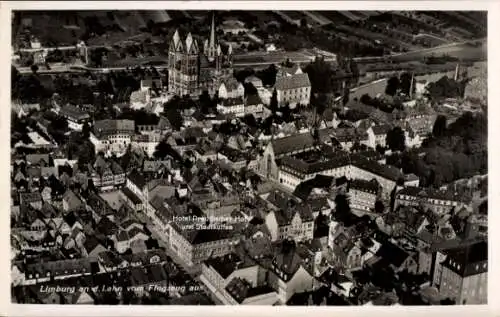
(208, 157)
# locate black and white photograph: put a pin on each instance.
(248, 157)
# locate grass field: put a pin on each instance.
(464, 51)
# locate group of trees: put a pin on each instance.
(267, 75)
(395, 139)
(329, 38)
(446, 88)
(458, 151)
(381, 103)
(140, 117)
(172, 109)
(401, 84)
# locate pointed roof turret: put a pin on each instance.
(212, 31)
(219, 50)
(176, 38)
(189, 41)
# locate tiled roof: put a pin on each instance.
(230, 102)
(385, 171)
(392, 254)
(429, 193)
(107, 127)
(231, 84)
(288, 263)
(138, 179)
(238, 288)
(292, 143)
(381, 129)
(253, 100)
(367, 186)
(30, 197)
(146, 275)
(227, 264)
(305, 168)
(37, 158)
(72, 112)
(131, 196)
(468, 260)
(72, 199)
(293, 82)
(58, 268)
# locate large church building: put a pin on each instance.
(191, 70)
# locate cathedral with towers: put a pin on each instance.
(191, 70)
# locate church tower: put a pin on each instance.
(183, 65)
(210, 45)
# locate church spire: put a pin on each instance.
(211, 48)
(212, 31)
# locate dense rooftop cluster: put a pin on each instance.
(269, 187)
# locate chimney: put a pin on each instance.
(456, 72)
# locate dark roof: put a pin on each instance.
(72, 199)
(392, 254)
(385, 171)
(232, 154)
(342, 134)
(289, 206)
(303, 190)
(229, 102)
(106, 226)
(292, 143)
(90, 243)
(107, 127)
(469, 260)
(253, 100)
(429, 193)
(61, 267)
(288, 263)
(367, 186)
(37, 158)
(138, 179)
(148, 274)
(225, 265)
(131, 196)
(72, 112)
(292, 82)
(381, 129)
(240, 289)
(304, 168)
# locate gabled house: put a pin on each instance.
(288, 274)
(71, 202)
(289, 218)
(225, 274)
(231, 88)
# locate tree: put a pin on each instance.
(319, 73)
(303, 23)
(172, 113)
(86, 154)
(379, 207)
(274, 101)
(392, 86)
(85, 130)
(345, 98)
(395, 139)
(342, 208)
(405, 83)
(380, 149)
(34, 69)
(439, 128)
(268, 75)
(162, 150)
